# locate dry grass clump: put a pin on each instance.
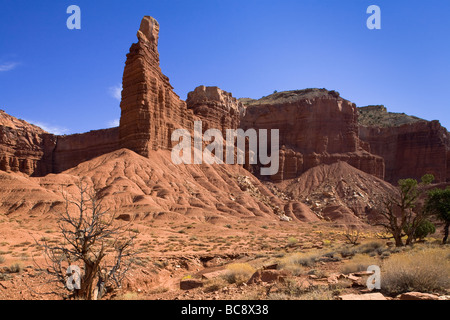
(15, 268)
(128, 296)
(423, 270)
(239, 273)
(359, 262)
(307, 259)
(371, 247)
(290, 289)
(214, 284)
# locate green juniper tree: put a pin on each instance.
(399, 213)
(438, 203)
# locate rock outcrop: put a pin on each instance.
(330, 165)
(216, 108)
(151, 110)
(411, 149)
(28, 149)
(378, 116)
(316, 126)
(24, 147)
(74, 149)
(132, 166)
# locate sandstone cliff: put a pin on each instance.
(411, 147)
(316, 126)
(218, 109)
(24, 147)
(28, 149)
(74, 149)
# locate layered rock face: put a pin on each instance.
(411, 150)
(150, 113)
(216, 108)
(24, 147)
(29, 149)
(150, 108)
(74, 149)
(316, 126)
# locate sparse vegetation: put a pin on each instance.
(215, 284)
(438, 203)
(15, 268)
(352, 235)
(359, 262)
(422, 230)
(423, 270)
(299, 259)
(239, 273)
(292, 241)
(399, 213)
(88, 230)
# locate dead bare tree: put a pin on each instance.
(352, 235)
(90, 234)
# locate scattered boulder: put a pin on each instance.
(284, 217)
(273, 266)
(353, 278)
(334, 278)
(363, 273)
(268, 276)
(214, 274)
(190, 284)
(124, 217)
(367, 296)
(417, 296)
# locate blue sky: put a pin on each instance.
(66, 80)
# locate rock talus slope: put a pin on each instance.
(138, 187)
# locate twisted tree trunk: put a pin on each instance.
(447, 226)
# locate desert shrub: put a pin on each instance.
(358, 263)
(291, 288)
(214, 284)
(292, 241)
(317, 293)
(347, 252)
(352, 235)
(425, 228)
(239, 273)
(187, 277)
(299, 258)
(326, 243)
(330, 256)
(16, 268)
(423, 270)
(2, 259)
(370, 247)
(128, 296)
(294, 269)
(318, 273)
(314, 293)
